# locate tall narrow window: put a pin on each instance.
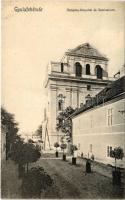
(62, 67)
(78, 69)
(110, 116)
(108, 151)
(60, 105)
(90, 147)
(87, 69)
(98, 70)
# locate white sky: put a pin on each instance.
(31, 40)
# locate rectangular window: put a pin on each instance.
(109, 151)
(62, 67)
(90, 147)
(110, 116)
(88, 87)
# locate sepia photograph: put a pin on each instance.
(62, 99)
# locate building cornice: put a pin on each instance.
(86, 56)
(78, 80)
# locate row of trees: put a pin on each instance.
(35, 179)
(24, 153)
(11, 126)
(16, 149)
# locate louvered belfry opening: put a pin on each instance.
(87, 69)
(98, 71)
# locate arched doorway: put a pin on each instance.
(78, 68)
(87, 69)
(98, 71)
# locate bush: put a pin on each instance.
(34, 182)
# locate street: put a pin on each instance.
(72, 181)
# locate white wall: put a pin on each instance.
(91, 127)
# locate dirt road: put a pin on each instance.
(72, 181)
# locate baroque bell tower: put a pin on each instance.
(82, 71)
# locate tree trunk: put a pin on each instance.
(115, 164)
(27, 167)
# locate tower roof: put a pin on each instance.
(86, 50)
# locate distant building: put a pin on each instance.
(99, 126)
(82, 71)
(36, 139)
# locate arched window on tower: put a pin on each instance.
(87, 69)
(98, 71)
(78, 68)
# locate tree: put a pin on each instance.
(39, 131)
(73, 149)
(31, 153)
(25, 153)
(8, 120)
(63, 147)
(56, 145)
(64, 122)
(117, 154)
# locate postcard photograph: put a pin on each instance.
(63, 99)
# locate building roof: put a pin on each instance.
(86, 50)
(110, 92)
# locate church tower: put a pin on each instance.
(81, 72)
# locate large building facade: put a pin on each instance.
(82, 72)
(99, 129)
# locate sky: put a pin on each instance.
(30, 40)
